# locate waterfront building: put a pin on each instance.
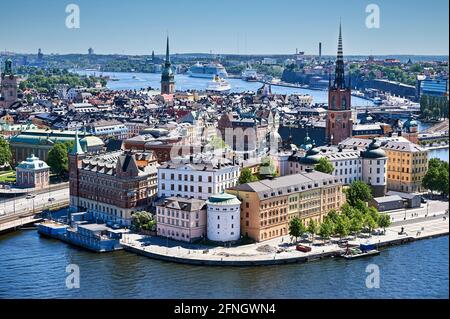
(113, 185)
(374, 166)
(9, 86)
(350, 164)
(407, 166)
(167, 76)
(407, 163)
(196, 177)
(39, 142)
(224, 214)
(432, 86)
(268, 205)
(32, 173)
(339, 118)
(181, 218)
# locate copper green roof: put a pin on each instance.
(223, 199)
(374, 151)
(76, 150)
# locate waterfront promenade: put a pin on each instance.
(281, 250)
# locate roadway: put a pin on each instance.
(14, 207)
(432, 208)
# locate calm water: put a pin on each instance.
(442, 154)
(136, 81)
(34, 267)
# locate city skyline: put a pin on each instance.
(258, 27)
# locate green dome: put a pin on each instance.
(410, 123)
(374, 151)
(312, 156)
(223, 199)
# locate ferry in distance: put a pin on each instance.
(218, 85)
(207, 70)
(249, 74)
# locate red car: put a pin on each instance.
(304, 249)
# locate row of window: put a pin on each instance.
(181, 177)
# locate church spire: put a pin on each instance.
(77, 149)
(167, 52)
(339, 81)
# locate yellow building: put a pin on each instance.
(268, 205)
(406, 167)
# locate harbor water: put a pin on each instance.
(137, 81)
(35, 267)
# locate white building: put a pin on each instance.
(196, 178)
(374, 168)
(349, 164)
(223, 218)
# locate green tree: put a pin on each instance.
(313, 228)
(296, 228)
(342, 227)
(5, 152)
(325, 166)
(57, 158)
(356, 225)
(358, 190)
(326, 229)
(384, 221)
(332, 216)
(369, 223)
(247, 177)
(437, 177)
(143, 221)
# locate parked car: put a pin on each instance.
(423, 200)
(30, 196)
(303, 248)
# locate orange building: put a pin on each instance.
(268, 205)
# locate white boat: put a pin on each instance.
(249, 74)
(218, 85)
(207, 70)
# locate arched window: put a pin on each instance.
(344, 103)
(333, 102)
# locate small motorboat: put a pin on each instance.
(364, 250)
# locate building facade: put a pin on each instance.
(268, 205)
(33, 173)
(181, 219)
(223, 213)
(407, 165)
(196, 178)
(112, 186)
(39, 142)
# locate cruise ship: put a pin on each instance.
(218, 85)
(207, 70)
(249, 74)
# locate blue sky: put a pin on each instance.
(225, 26)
